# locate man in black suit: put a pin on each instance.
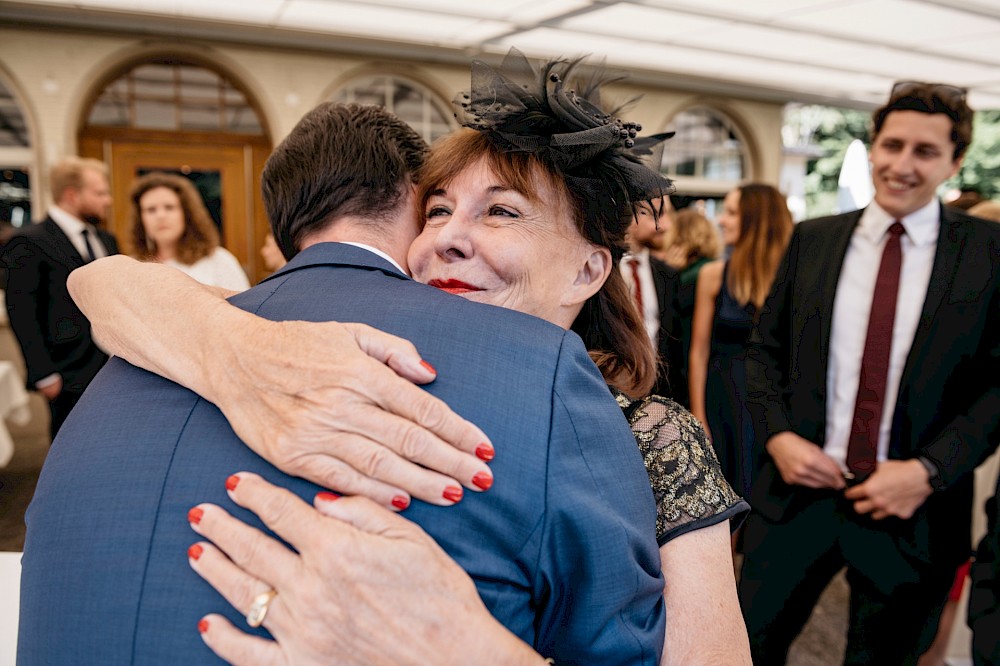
(59, 353)
(872, 378)
(657, 283)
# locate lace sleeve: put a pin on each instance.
(684, 472)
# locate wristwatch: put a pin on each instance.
(937, 484)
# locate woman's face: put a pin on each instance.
(491, 244)
(162, 216)
(729, 219)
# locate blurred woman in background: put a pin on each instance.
(171, 226)
(756, 222)
(690, 242)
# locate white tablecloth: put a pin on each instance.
(13, 406)
(10, 584)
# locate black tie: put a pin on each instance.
(90, 248)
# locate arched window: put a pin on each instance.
(411, 102)
(15, 161)
(707, 149)
(175, 96)
(181, 114)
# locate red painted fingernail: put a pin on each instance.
(481, 480)
(202, 626)
(485, 452)
(232, 482)
(195, 551)
(400, 502)
(452, 493)
(430, 368)
(194, 515)
(327, 497)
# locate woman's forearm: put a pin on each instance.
(158, 318)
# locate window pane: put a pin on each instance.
(15, 197)
(109, 113)
(170, 96)
(242, 120)
(154, 81)
(199, 117)
(199, 84)
(13, 131)
(410, 101)
(151, 114)
(706, 145)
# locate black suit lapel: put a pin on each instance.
(950, 245)
(63, 249)
(829, 275)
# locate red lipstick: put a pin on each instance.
(453, 286)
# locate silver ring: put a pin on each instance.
(258, 609)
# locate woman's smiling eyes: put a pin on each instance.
(493, 210)
(437, 211)
(502, 211)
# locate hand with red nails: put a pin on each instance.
(332, 403)
(340, 594)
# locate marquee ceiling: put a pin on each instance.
(845, 52)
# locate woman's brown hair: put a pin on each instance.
(765, 228)
(609, 323)
(200, 236)
(692, 231)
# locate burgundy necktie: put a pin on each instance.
(633, 264)
(875, 362)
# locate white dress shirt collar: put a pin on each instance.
(376, 251)
(73, 227)
(69, 223)
(921, 225)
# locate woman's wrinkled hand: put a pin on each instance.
(365, 586)
(334, 403)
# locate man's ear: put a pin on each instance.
(594, 272)
(957, 165)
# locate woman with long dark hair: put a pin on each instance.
(755, 221)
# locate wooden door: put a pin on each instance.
(231, 165)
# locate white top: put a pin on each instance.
(650, 304)
(219, 269)
(73, 228)
(851, 310)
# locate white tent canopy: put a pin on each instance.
(845, 52)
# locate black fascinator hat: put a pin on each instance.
(524, 109)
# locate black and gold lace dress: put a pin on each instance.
(687, 482)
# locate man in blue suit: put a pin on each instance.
(562, 549)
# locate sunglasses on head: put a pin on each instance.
(912, 88)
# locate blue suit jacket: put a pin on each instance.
(562, 548)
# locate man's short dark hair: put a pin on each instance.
(340, 159)
(931, 98)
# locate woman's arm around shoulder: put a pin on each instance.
(317, 400)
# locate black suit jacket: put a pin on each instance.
(948, 408)
(53, 333)
(671, 380)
